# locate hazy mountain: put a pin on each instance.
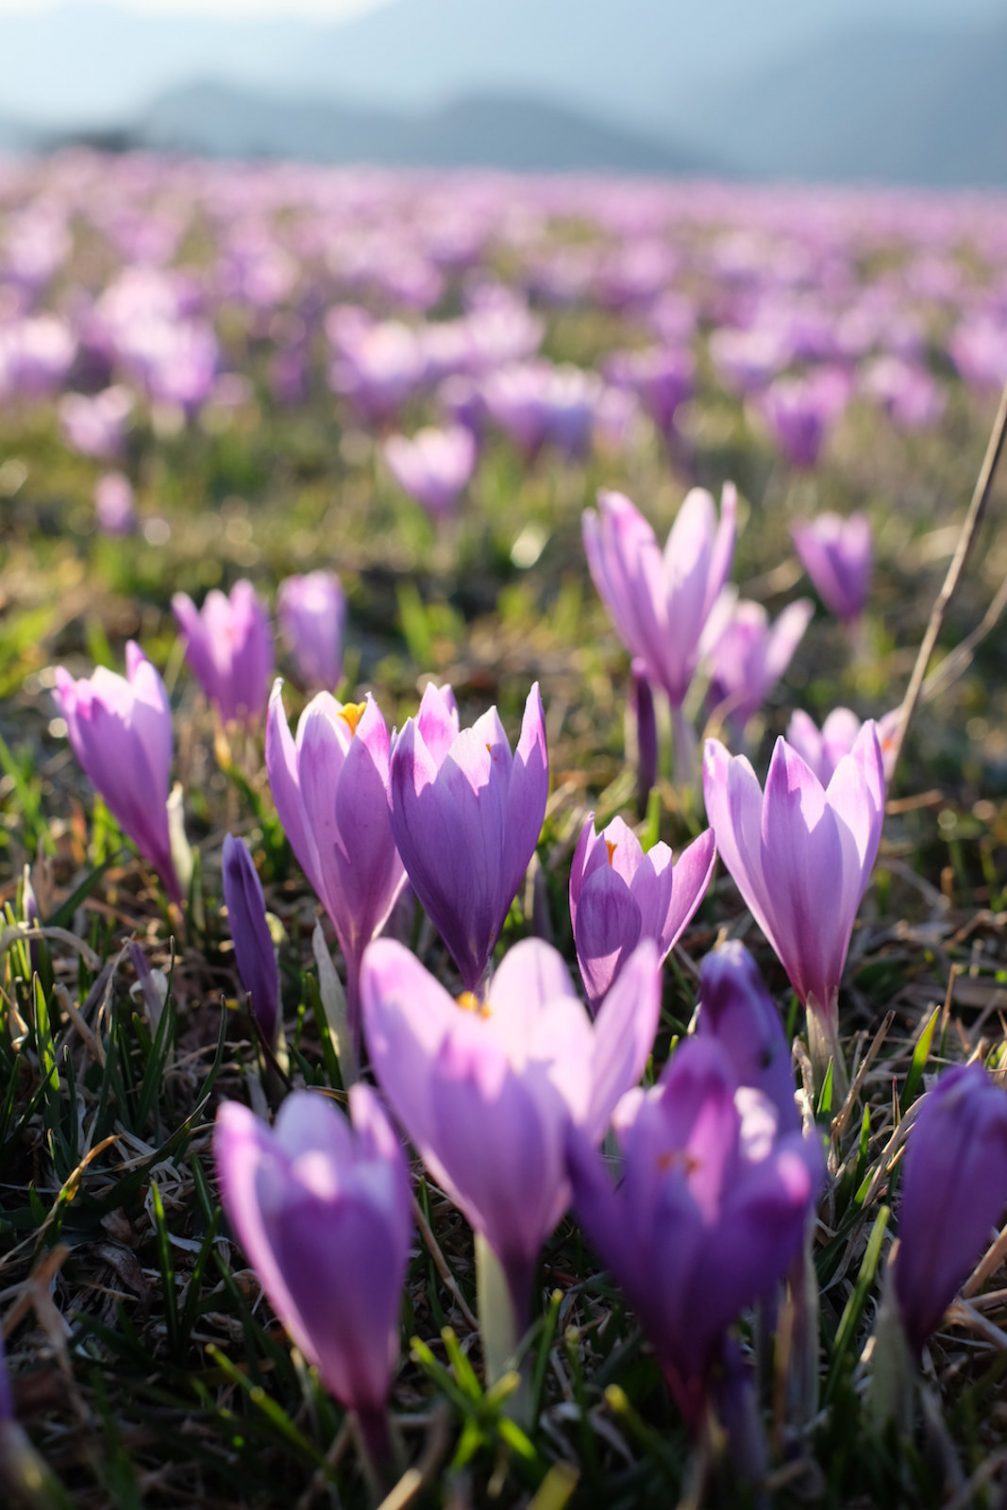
(874, 105)
(489, 131)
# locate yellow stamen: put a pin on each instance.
(353, 713)
(611, 846)
(677, 1158)
(470, 1002)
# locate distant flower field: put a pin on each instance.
(501, 977)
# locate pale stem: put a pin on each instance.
(684, 750)
(824, 1047)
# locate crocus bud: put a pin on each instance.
(641, 734)
(801, 856)
(321, 1207)
(434, 467)
(736, 1009)
(466, 815)
(749, 657)
(710, 1213)
(660, 602)
(486, 1088)
(120, 730)
(800, 412)
(824, 748)
(229, 648)
(331, 792)
(837, 555)
(253, 942)
(619, 895)
(954, 1190)
(312, 613)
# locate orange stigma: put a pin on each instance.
(353, 713)
(470, 1002)
(611, 846)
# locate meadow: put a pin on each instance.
(418, 385)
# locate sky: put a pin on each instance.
(332, 9)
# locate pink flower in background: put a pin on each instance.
(433, 466)
(115, 504)
(838, 556)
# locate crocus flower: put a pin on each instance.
(331, 792)
(434, 467)
(824, 748)
(321, 1208)
(96, 425)
(487, 1088)
(801, 855)
(466, 815)
(641, 731)
(800, 412)
(312, 613)
(736, 1009)
(115, 504)
(253, 942)
(229, 647)
(120, 730)
(619, 895)
(836, 554)
(954, 1190)
(749, 655)
(661, 378)
(710, 1214)
(659, 603)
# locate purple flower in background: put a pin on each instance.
(377, 366)
(736, 1009)
(660, 603)
(321, 1207)
(120, 730)
(748, 656)
(954, 1191)
(331, 792)
(253, 942)
(661, 378)
(229, 647)
(434, 466)
(801, 855)
(466, 815)
(978, 348)
(312, 614)
(619, 895)
(115, 504)
(800, 412)
(838, 556)
(824, 748)
(710, 1214)
(486, 1089)
(96, 425)
(906, 391)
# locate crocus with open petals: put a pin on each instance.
(660, 602)
(253, 942)
(433, 466)
(838, 557)
(466, 815)
(619, 894)
(229, 647)
(710, 1213)
(486, 1089)
(954, 1191)
(824, 748)
(321, 1207)
(120, 730)
(312, 614)
(330, 787)
(801, 855)
(750, 655)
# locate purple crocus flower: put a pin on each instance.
(661, 378)
(710, 1214)
(801, 856)
(95, 425)
(434, 467)
(466, 815)
(115, 504)
(331, 792)
(253, 942)
(619, 895)
(748, 657)
(321, 1207)
(837, 555)
(229, 647)
(954, 1191)
(822, 749)
(487, 1089)
(120, 730)
(800, 412)
(660, 603)
(312, 613)
(736, 1009)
